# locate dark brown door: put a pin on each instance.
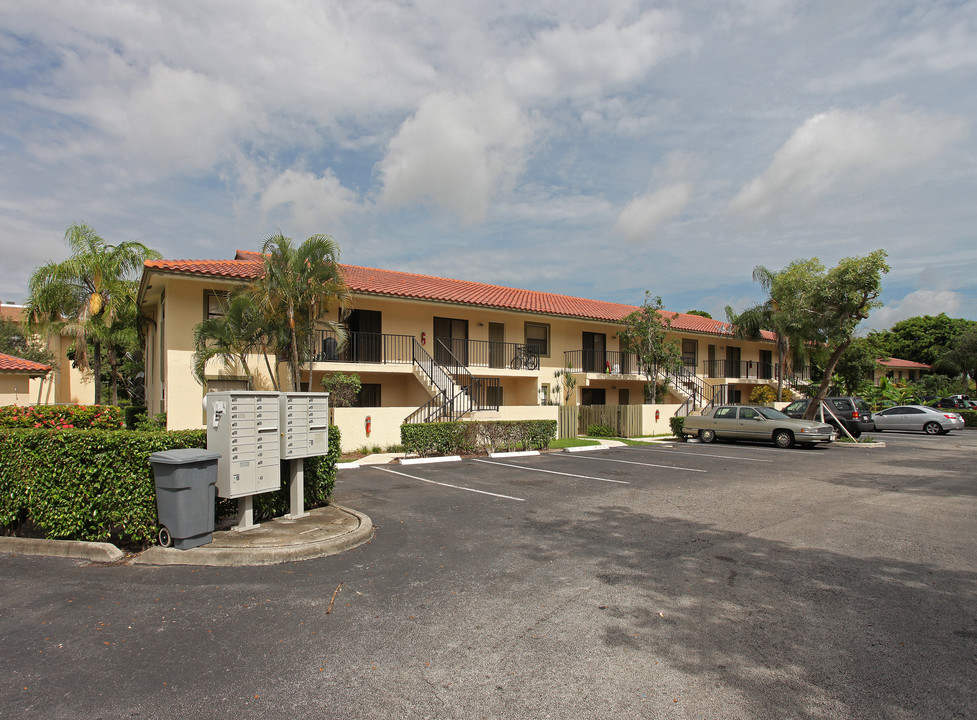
(594, 352)
(450, 339)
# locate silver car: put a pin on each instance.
(933, 421)
(735, 422)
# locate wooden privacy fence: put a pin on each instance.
(575, 419)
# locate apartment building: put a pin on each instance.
(429, 348)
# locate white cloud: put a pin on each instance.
(918, 302)
(183, 120)
(845, 150)
(645, 215)
(458, 152)
(931, 52)
(315, 203)
(582, 62)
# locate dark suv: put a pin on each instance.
(854, 413)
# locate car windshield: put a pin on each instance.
(862, 405)
(771, 414)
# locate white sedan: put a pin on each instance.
(933, 421)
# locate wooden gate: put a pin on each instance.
(573, 420)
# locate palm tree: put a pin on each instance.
(300, 285)
(91, 296)
(766, 315)
(233, 336)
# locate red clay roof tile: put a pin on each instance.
(374, 281)
(11, 364)
(906, 364)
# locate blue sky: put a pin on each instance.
(593, 149)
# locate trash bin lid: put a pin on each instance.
(183, 456)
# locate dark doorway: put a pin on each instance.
(765, 371)
(732, 362)
(594, 353)
(593, 396)
(450, 338)
(365, 340)
(496, 345)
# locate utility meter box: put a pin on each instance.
(244, 428)
(304, 424)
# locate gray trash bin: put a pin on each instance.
(185, 496)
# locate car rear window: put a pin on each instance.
(862, 406)
(843, 404)
(725, 412)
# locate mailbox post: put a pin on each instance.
(304, 433)
(244, 428)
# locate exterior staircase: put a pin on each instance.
(454, 391)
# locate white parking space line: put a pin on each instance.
(456, 487)
(632, 462)
(553, 472)
(701, 454)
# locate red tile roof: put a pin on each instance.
(374, 281)
(11, 364)
(904, 364)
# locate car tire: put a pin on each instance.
(707, 436)
(783, 439)
(932, 428)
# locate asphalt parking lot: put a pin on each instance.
(691, 581)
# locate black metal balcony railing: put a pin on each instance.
(601, 361)
(363, 348)
(751, 370)
(487, 353)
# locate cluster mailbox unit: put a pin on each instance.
(254, 432)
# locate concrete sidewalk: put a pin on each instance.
(324, 531)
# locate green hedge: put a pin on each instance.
(969, 416)
(98, 485)
(104, 417)
(677, 423)
(452, 438)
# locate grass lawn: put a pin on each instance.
(571, 442)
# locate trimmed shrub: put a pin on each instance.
(132, 415)
(600, 431)
(59, 417)
(969, 417)
(466, 438)
(98, 485)
(676, 423)
(763, 394)
(84, 484)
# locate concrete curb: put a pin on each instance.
(93, 551)
(863, 446)
(424, 461)
(516, 453)
(586, 448)
(250, 556)
(348, 466)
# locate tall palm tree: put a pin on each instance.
(90, 295)
(301, 284)
(767, 315)
(233, 336)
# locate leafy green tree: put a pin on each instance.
(923, 338)
(233, 337)
(92, 296)
(300, 285)
(343, 388)
(700, 313)
(826, 306)
(857, 362)
(962, 355)
(645, 335)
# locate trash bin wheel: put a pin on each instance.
(165, 539)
